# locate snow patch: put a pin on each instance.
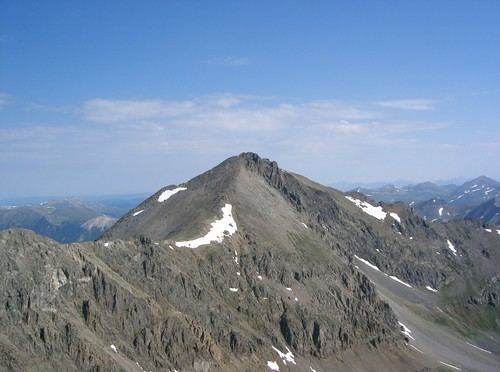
(366, 207)
(312, 369)
(367, 263)
(137, 213)
(477, 347)
(487, 230)
(395, 216)
(288, 357)
(450, 365)
(440, 211)
(106, 244)
(406, 331)
(303, 224)
(233, 289)
(165, 195)
(113, 347)
(259, 277)
(220, 228)
(429, 288)
(273, 366)
(289, 289)
(400, 281)
(451, 247)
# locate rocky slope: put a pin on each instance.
(278, 285)
(108, 306)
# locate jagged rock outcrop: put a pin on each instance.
(65, 306)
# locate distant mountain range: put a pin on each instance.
(66, 220)
(471, 200)
(75, 220)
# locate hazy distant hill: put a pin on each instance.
(488, 212)
(65, 221)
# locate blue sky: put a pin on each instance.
(100, 97)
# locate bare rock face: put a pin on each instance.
(64, 306)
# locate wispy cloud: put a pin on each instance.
(419, 104)
(5, 99)
(229, 61)
(183, 137)
(230, 112)
(382, 129)
(112, 111)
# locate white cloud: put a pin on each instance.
(230, 112)
(112, 111)
(230, 61)
(320, 138)
(4, 99)
(245, 113)
(419, 104)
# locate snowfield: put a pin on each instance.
(220, 228)
(377, 212)
(273, 366)
(406, 331)
(429, 288)
(169, 193)
(367, 263)
(366, 207)
(451, 247)
(137, 213)
(399, 281)
(395, 216)
(288, 357)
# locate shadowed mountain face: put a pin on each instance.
(488, 212)
(248, 267)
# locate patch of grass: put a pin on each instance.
(480, 317)
(309, 248)
(467, 320)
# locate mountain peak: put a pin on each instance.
(253, 160)
(484, 180)
(251, 156)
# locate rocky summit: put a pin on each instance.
(249, 267)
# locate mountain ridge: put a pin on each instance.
(302, 271)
